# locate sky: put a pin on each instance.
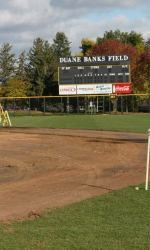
(21, 21)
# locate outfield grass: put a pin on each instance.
(118, 220)
(129, 123)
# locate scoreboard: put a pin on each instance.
(97, 74)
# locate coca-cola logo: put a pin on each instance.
(122, 88)
(125, 88)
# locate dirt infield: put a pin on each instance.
(47, 168)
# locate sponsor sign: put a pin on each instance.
(103, 89)
(122, 88)
(85, 89)
(67, 90)
(92, 89)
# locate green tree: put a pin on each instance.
(86, 46)
(50, 69)
(21, 66)
(133, 38)
(61, 45)
(147, 43)
(7, 61)
(35, 66)
(40, 68)
(15, 88)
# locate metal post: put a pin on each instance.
(68, 108)
(126, 104)
(97, 104)
(148, 162)
(109, 104)
(103, 104)
(14, 107)
(133, 109)
(29, 106)
(61, 104)
(77, 104)
(44, 105)
(121, 104)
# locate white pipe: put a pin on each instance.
(147, 163)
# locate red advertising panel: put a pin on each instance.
(122, 88)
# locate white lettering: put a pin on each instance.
(94, 59)
(61, 60)
(110, 58)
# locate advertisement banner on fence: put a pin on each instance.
(67, 89)
(122, 88)
(93, 89)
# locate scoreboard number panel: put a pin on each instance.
(89, 74)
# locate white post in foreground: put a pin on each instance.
(148, 162)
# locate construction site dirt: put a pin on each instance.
(47, 168)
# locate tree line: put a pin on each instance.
(36, 73)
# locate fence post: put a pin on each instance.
(126, 104)
(121, 104)
(109, 103)
(77, 104)
(61, 104)
(44, 104)
(97, 104)
(103, 104)
(14, 107)
(29, 105)
(148, 162)
(68, 108)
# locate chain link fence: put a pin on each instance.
(47, 105)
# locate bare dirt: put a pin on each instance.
(48, 168)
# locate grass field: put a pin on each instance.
(129, 123)
(118, 220)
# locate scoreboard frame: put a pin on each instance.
(94, 71)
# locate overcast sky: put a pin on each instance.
(21, 21)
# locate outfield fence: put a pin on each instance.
(90, 104)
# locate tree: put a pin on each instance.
(40, 67)
(133, 38)
(61, 45)
(50, 69)
(7, 62)
(35, 66)
(147, 43)
(114, 47)
(15, 87)
(142, 77)
(21, 66)
(86, 46)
